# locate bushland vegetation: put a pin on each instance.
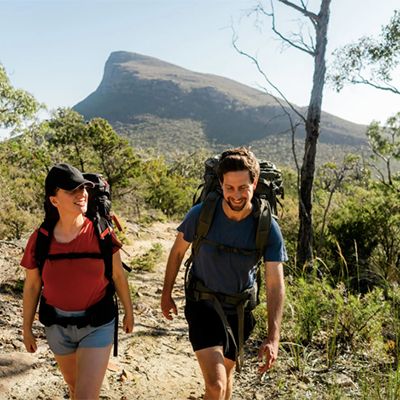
(343, 313)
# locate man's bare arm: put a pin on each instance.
(275, 289)
(175, 258)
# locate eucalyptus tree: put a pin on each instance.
(375, 62)
(384, 141)
(315, 46)
(17, 194)
(370, 61)
(16, 105)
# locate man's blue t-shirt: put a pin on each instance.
(223, 271)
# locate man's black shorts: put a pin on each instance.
(207, 330)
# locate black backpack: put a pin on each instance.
(99, 212)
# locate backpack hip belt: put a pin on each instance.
(243, 301)
(98, 314)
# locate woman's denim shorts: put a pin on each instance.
(63, 341)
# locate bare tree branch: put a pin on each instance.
(293, 125)
(293, 128)
(302, 47)
(303, 10)
(388, 88)
(298, 44)
(300, 39)
(256, 63)
(381, 177)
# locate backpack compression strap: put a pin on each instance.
(103, 233)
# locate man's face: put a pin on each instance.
(238, 190)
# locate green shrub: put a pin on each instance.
(333, 319)
(148, 260)
(365, 232)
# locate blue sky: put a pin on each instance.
(57, 49)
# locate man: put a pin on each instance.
(220, 270)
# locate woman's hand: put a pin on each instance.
(128, 322)
(29, 341)
(32, 289)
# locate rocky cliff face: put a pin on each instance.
(135, 88)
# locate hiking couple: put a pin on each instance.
(79, 279)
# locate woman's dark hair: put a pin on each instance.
(238, 159)
(51, 214)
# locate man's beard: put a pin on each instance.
(236, 208)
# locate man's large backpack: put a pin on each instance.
(99, 212)
(265, 200)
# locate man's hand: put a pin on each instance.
(267, 354)
(175, 258)
(168, 307)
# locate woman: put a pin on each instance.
(69, 287)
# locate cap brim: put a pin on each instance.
(76, 185)
(88, 183)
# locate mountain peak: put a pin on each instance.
(138, 89)
(123, 57)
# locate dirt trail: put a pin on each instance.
(154, 362)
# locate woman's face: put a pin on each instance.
(73, 202)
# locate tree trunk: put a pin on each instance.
(305, 237)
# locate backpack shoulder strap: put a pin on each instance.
(205, 219)
(45, 233)
(103, 232)
(263, 226)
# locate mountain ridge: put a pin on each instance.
(140, 94)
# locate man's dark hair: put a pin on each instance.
(238, 159)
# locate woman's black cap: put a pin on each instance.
(66, 177)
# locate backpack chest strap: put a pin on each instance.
(73, 256)
(230, 249)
